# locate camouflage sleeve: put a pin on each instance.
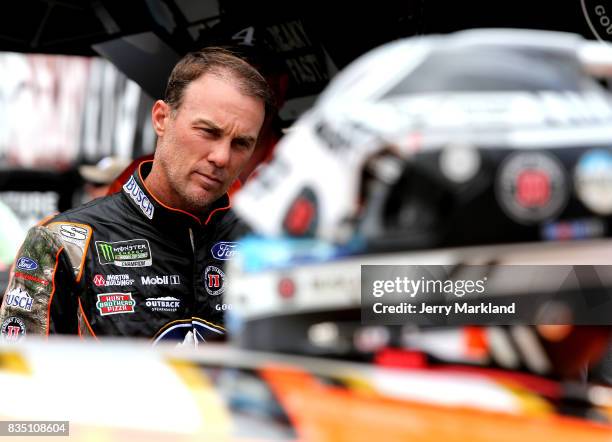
(40, 277)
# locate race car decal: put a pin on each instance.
(531, 187)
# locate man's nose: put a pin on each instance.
(220, 153)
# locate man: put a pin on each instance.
(149, 261)
(249, 41)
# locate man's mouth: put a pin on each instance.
(211, 179)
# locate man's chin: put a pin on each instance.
(201, 199)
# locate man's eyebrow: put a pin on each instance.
(208, 123)
(247, 139)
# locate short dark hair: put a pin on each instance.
(221, 62)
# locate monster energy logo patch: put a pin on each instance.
(131, 253)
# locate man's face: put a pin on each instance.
(204, 144)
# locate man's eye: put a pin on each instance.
(242, 144)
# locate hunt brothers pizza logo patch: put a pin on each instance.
(115, 303)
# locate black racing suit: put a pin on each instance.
(123, 265)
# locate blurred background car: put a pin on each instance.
(418, 152)
(224, 394)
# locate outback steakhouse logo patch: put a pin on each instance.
(115, 303)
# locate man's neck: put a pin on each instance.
(157, 184)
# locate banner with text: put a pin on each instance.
(483, 294)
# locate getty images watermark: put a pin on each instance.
(464, 295)
(598, 15)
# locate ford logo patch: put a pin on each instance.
(224, 250)
(25, 263)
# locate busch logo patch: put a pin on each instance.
(135, 192)
(13, 329)
(25, 263)
(224, 250)
(115, 303)
(214, 280)
(20, 299)
(132, 253)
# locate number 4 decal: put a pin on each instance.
(246, 36)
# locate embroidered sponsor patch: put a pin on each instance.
(13, 329)
(115, 303)
(131, 253)
(224, 250)
(163, 304)
(112, 280)
(31, 278)
(20, 299)
(73, 234)
(135, 192)
(214, 280)
(25, 263)
(160, 280)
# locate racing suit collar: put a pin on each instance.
(149, 206)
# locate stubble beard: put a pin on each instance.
(189, 202)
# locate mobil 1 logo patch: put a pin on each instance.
(160, 280)
(13, 329)
(224, 250)
(531, 187)
(131, 253)
(214, 280)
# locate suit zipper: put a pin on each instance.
(191, 239)
(193, 330)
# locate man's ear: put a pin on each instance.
(159, 116)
